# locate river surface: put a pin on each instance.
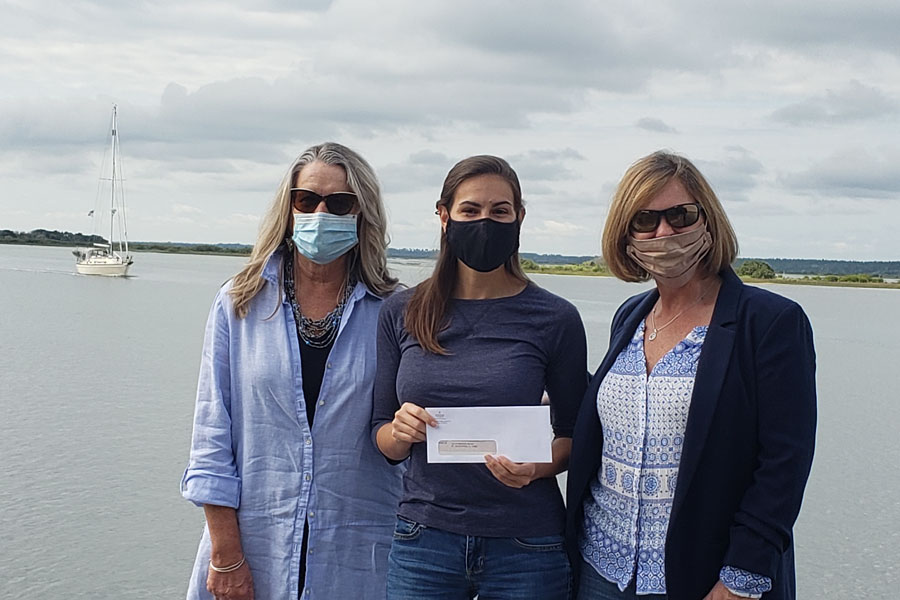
(97, 383)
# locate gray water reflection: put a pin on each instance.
(97, 378)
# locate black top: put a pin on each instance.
(502, 352)
(312, 365)
(312, 359)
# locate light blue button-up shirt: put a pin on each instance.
(253, 450)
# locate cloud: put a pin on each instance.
(811, 26)
(853, 173)
(422, 170)
(561, 228)
(657, 125)
(185, 209)
(855, 102)
(546, 165)
(238, 219)
(216, 99)
(733, 175)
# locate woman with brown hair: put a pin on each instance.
(477, 333)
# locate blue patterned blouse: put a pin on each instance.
(627, 513)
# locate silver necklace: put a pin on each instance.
(316, 333)
(319, 333)
(653, 312)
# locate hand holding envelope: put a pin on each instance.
(409, 424)
(466, 434)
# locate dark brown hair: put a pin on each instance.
(427, 309)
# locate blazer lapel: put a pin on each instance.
(626, 331)
(711, 370)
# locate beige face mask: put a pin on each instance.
(671, 260)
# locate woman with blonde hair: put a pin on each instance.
(695, 439)
(477, 333)
(298, 501)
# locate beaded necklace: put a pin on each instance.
(316, 333)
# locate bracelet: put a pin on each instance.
(228, 569)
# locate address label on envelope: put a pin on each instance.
(466, 434)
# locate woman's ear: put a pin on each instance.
(521, 214)
(444, 216)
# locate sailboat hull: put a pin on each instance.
(93, 261)
(109, 270)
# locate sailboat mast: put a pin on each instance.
(112, 198)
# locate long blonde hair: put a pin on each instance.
(366, 262)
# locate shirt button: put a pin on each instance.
(321, 403)
(308, 441)
(307, 477)
(329, 365)
(312, 514)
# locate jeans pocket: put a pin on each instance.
(546, 543)
(406, 529)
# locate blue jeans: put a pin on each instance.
(594, 586)
(428, 563)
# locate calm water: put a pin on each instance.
(97, 378)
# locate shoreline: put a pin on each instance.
(806, 280)
(567, 269)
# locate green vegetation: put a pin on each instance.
(589, 267)
(857, 278)
(811, 267)
(831, 281)
(756, 269)
(753, 270)
(171, 248)
(44, 237)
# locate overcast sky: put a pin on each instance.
(791, 108)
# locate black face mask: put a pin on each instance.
(484, 244)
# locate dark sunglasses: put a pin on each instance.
(306, 201)
(683, 215)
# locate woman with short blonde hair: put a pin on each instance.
(641, 182)
(695, 438)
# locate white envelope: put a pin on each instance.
(466, 434)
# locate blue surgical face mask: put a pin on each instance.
(323, 237)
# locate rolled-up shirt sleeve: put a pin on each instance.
(744, 583)
(212, 476)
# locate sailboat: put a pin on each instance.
(111, 259)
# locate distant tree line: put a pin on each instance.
(185, 248)
(794, 266)
(412, 253)
(544, 259)
(44, 237)
(807, 266)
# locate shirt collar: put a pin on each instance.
(272, 274)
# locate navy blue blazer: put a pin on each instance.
(748, 443)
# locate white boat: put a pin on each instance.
(111, 259)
